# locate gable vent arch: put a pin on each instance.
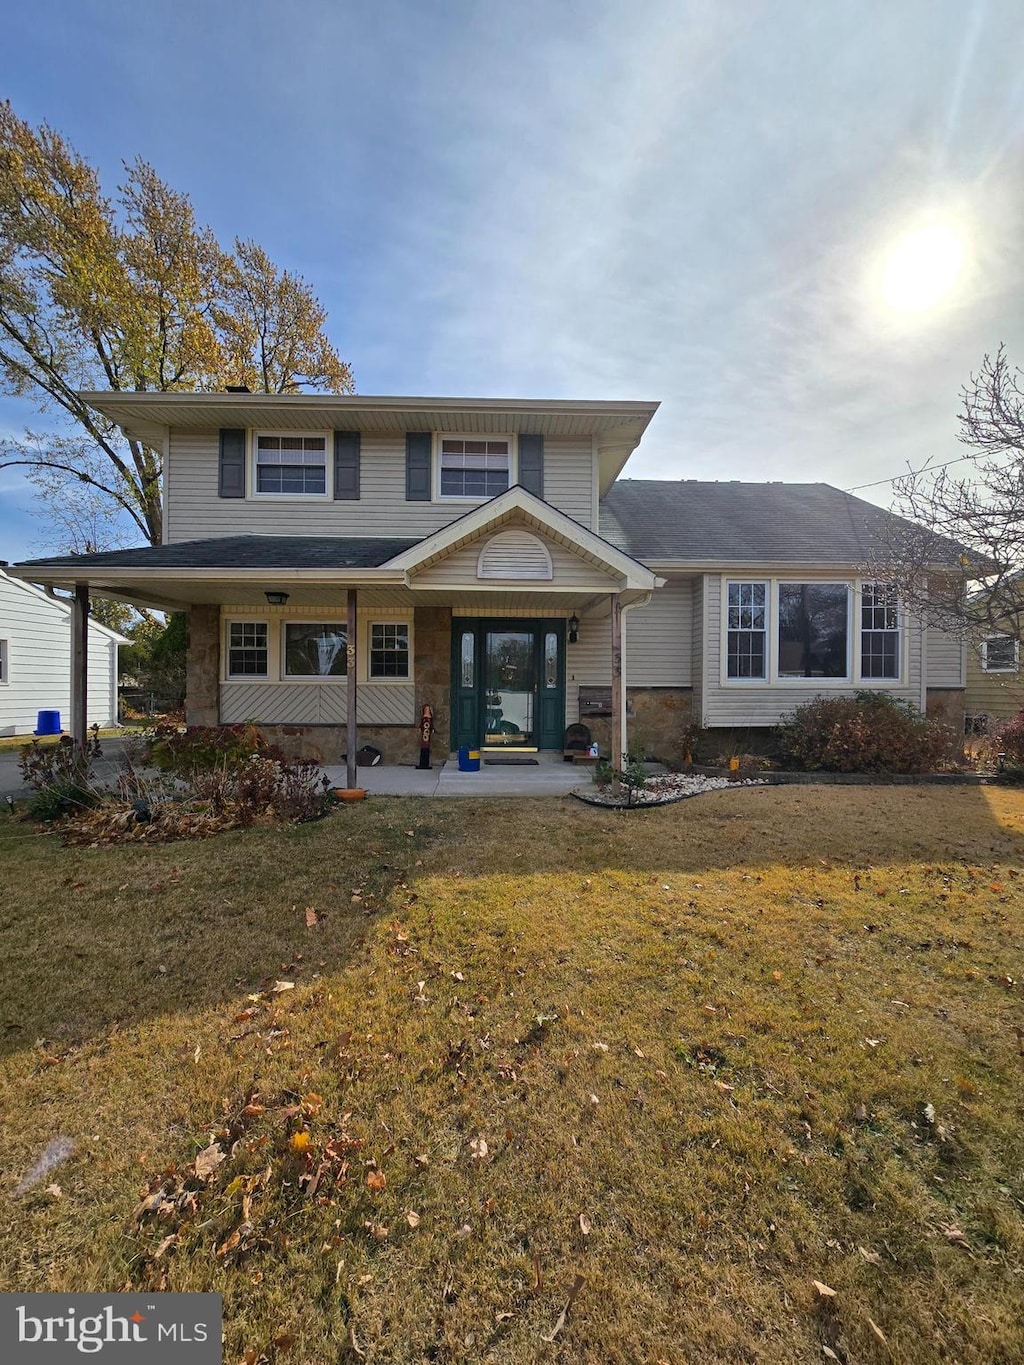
(514, 554)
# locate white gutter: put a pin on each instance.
(627, 606)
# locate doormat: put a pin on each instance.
(511, 762)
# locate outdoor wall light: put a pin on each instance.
(574, 628)
(276, 599)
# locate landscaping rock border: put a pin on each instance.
(781, 778)
(663, 791)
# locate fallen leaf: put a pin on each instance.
(195, 1055)
(299, 1142)
(872, 1257)
(955, 1235)
(376, 1180)
(310, 917)
(578, 1284)
(586, 1226)
(479, 1149)
(878, 1332)
(280, 986)
(464, 1232)
(167, 1242)
(412, 1218)
(422, 1160)
(208, 1160)
(824, 1290)
(54, 1191)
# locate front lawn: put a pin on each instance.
(449, 1066)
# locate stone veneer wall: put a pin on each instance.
(326, 743)
(657, 722)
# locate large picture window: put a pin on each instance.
(315, 650)
(474, 469)
(747, 655)
(291, 464)
(879, 632)
(247, 649)
(813, 630)
(389, 649)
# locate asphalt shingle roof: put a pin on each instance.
(742, 523)
(243, 552)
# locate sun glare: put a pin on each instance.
(921, 269)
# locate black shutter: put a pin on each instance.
(531, 464)
(232, 463)
(417, 466)
(346, 464)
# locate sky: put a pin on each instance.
(797, 225)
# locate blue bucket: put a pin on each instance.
(48, 723)
(469, 760)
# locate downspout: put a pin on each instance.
(644, 601)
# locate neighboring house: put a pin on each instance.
(995, 687)
(498, 569)
(35, 660)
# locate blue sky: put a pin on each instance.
(610, 199)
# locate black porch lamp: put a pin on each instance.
(276, 599)
(574, 628)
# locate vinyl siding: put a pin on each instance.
(316, 703)
(194, 511)
(569, 571)
(658, 642)
(38, 635)
(739, 704)
(945, 659)
(698, 658)
(996, 695)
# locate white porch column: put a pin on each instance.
(618, 688)
(80, 664)
(351, 690)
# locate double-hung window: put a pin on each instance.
(247, 649)
(879, 632)
(746, 651)
(474, 468)
(389, 649)
(1000, 654)
(291, 464)
(315, 650)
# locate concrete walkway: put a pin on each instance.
(551, 776)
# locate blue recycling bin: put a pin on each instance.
(469, 760)
(47, 723)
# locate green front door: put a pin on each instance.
(508, 683)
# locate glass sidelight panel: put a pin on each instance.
(551, 659)
(467, 658)
(509, 683)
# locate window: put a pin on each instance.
(813, 630)
(1000, 654)
(247, 649)
(389, 649)
(3, 662)
(468, 657)
(315, 650)
(747, 630)
(879, 631)
(291, 464)
(550, 659)
(472, 468)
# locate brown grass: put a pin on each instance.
(700, 1044)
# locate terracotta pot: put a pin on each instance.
(350, 793)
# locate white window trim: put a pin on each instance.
(435, 464)
(854, 679)
(366, 636)
(984, 654)
(303, 679)
(5, 663)
(226, 674)
(251, 492)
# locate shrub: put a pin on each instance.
(1009, 739)
(61, 774)
(205, 747)
(870, 732)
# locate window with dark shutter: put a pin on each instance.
(231, 483)
(531, 463)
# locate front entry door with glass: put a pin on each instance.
(508, 684)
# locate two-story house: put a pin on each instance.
(484, 557)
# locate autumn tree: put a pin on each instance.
(980, 513)
(129, 293)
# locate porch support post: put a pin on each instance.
(80, 664)
(618, 691)
(351, 690)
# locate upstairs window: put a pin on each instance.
(474, 468)
(879, 631)
(291, 464)
(813, 630)
(1000, 654)
(247, 649)
(746, 653)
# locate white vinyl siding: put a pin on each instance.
(38, 664)
(194, 511)
(732, 703)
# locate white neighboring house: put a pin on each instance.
(35, 661)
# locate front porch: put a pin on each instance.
(546, 775)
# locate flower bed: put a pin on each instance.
(663, 790)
